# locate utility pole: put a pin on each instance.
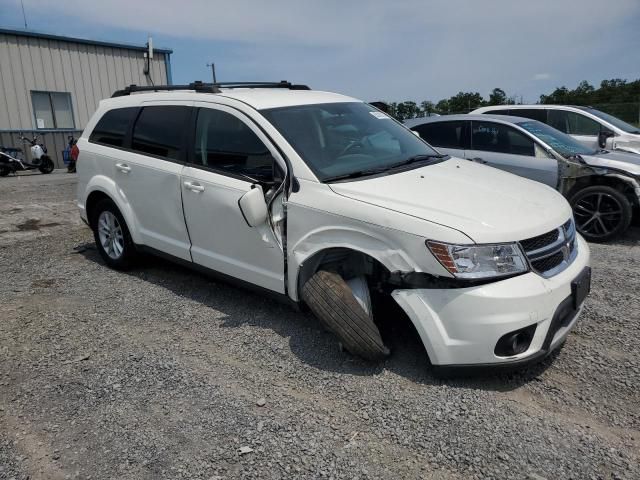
(213, 71)
(24, 15)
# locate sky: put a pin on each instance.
(391, 50)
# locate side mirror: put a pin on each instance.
(254, 207)
(417, 134)
(602, 138)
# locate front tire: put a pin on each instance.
(334, 304)
(602, 213)
(112, 236)
(47, 165)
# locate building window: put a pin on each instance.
(52, 109)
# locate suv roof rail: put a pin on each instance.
(201, 87)
(198, 86)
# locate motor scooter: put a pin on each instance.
(11, 159)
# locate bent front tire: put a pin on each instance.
(602, 213)
(332, 301)
(112, 236)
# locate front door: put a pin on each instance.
(580, 127)
(502, 146)
(228, 156)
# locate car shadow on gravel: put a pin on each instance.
(307, 338)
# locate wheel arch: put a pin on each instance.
(629, 187)
(104, 188)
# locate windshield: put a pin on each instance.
(561, 142)
(347, 139)
(616, 122)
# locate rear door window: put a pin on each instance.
(500, 138)
(224, 142)
(113, 127)
(160, 131)
(443, 134)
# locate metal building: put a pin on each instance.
(50, 85)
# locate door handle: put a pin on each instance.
(194, 187)
(479, 160)
(123, 167)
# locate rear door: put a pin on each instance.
(228, 157)
(147, 172)
(504, 147)
(448, 137)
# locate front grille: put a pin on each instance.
(551, 252)
(532, 244)
(547, 263)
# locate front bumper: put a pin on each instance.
(461, 326)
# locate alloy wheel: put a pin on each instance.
(597, 214)
(110, 234)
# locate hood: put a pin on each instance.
(628, 162)
(486, 204)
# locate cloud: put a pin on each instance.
(542, 76)
(383, 49)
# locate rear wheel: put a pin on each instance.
(112, 236)
(46, 165)
(601, 212)
(332, 300)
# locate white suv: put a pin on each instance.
(325, 201)
(593, 128)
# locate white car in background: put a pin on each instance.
(589, 126)
(323, 200)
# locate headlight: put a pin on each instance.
(480, 261)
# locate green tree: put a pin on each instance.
(497, 97)
(465, 102)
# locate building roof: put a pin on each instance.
(86, 41)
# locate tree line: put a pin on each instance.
(612, 91)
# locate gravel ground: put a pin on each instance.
(164, 373)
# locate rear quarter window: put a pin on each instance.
(112, 128)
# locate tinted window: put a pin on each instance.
(539, 114)
(442, 134)
(112, 128)
(160, 130)
(499, 112)
(496, 137)
(225, 142)
(573, 123)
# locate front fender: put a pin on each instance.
(104, 184)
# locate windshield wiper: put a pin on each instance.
(356, 174)
(417, 158)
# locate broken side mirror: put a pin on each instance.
(602, 138)
(254, 207)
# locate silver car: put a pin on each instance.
(586, 124)
(602, 187)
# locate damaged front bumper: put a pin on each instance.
(461, 327)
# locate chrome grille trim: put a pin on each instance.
(565, 244)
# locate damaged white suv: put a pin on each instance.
(326, 201)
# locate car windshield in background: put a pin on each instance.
(616, 122)
(561, 142)
(341, 140)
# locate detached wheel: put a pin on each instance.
(331, 300)
(46, 166)
(601, 212)
(112, 236)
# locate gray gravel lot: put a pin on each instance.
(164, 373)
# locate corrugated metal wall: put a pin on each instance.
(89, 72)
(55, 142)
